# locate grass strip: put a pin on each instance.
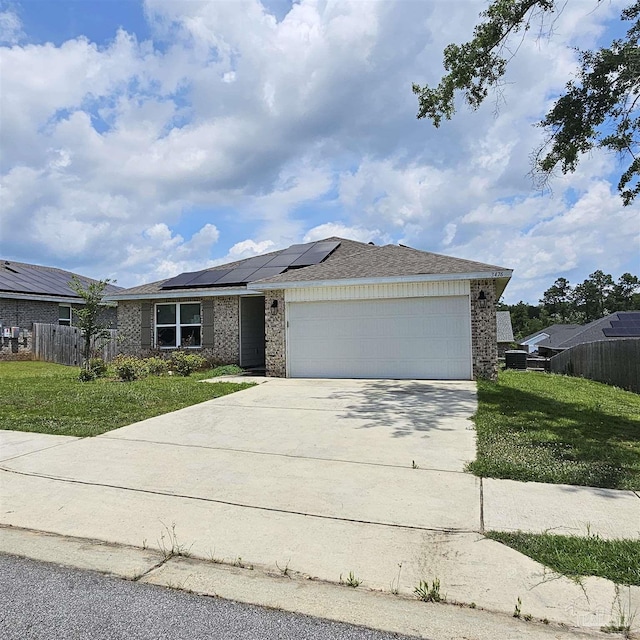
(48, 398)
(575, 556)
(558, 429)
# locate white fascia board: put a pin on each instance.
(40, 297)
(176, 295)
(345, 282)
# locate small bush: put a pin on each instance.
(98, 366)
(226, 370)
(87, 375)
(185, 364)
(157, 366)
(129, 368)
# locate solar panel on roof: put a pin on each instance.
(297, 248)
(282, 260)
(257, 261)
(181, 281)
(622, 332)
(256, 268)
(25, 280)
(625, 323)
(209, 277)
(266, 272)
(236, 276)
(315, 254)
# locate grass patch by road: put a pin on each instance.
(574, 557)
(550, 428)
(48, 398)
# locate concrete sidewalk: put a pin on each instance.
(317, 476)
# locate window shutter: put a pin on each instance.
(145, 334)
(207, 323)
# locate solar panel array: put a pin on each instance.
(25, 279)
(627, 326)
(257, 268)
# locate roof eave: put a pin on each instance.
(41, 297)
(502, 277)
(171, 295)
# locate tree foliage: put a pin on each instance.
(88, 316)
(598, 109)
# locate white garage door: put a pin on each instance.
(426, 338)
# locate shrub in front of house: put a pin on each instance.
(185, 364)
(98, 366)
(86, 375)
(129, 368)
(157, 366)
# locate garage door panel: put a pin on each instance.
(382, 338)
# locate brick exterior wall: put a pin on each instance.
(226, 329)
(23, 313)
(484, 345)
(275, 336)
(129, 327)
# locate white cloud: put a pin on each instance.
(303, 126)
(10, 27)
(331, 229)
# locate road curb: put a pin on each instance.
(285, 590)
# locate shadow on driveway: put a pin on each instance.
(410, 407)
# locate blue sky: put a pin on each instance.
(142, 139)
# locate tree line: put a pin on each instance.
(598, 296)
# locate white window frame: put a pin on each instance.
(65, 322)
(177, 325)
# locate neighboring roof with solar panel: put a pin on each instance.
(622, 324)
(19, 279)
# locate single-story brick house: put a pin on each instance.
(332, 308)
(32, 293)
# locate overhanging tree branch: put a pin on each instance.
(598, 109)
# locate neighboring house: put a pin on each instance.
(557, 338)
(333, 308)
(32, 293)
(504, 332)
(550, 336)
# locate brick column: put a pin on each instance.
(484, 339)
(275, 335)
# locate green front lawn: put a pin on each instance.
(575, 557)
(49, 398)
(558, 429)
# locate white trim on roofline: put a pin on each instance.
(14, 295)
(427, 277)
(176, 295)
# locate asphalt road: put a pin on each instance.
(47, 602)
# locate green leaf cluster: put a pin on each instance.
(598, 109)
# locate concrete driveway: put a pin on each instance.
(323, 477)
(387, 452)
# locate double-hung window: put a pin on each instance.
(178, 325)
(64, 315)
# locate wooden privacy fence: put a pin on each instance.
(63, 345)
(615, 362)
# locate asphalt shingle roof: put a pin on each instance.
(504, 328)
(351, 259)
(346, 247)
(381, 262)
